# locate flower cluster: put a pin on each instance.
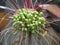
(29, 21)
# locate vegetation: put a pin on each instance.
(29, 27)
(27, 21)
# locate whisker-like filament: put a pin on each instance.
(54, 35)
(21, 3)
(53, 39)
(6, 8)
(4, 34)
(53, 21)
(51, 34)
(32, 4)
(43, 37)
(55, 24)
(15, 5)
(16, 1)
(7, 1)
(21, 39)
(35, 40)
(10, 4)
(4, 17)
(35, 1)
(29, 3)
(25, 6)
(46, 40)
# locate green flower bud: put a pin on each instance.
(41, 14)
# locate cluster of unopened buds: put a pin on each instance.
(27, 21)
